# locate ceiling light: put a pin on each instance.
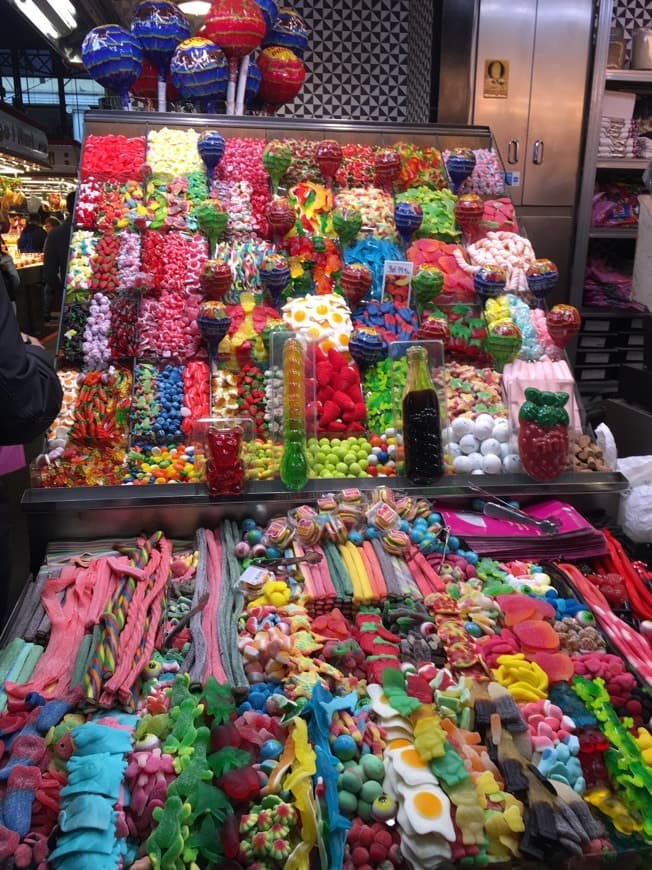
(65, 11)
(194, 7)
(39, 19)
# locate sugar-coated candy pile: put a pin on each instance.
(420, 166)
(376, 208)
(168, 325)
(78, 276)
(242, 161)
(357, 167)
(487, 178)
(173, 153)
(96, 333)
(438, 208)
(304, 164)
(112, 158)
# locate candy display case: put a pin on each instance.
(183, 265)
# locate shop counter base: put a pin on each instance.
(81, 513)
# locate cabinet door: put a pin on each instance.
(504, 51)
(559, 76)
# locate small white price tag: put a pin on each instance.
(402, 268)
(397, 282)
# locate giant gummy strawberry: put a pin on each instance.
(543, 433)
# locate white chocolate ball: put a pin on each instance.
(501, 431)
(491, 464)
(490, 445)
(512, 463)
(476, 460)
(483, 427)
(462, 465)
(462, 426)
(469, 444)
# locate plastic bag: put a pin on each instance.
(635, 516)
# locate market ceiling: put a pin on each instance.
(65, 23)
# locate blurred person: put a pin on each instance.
(55, 260)
(31, 395)
(51, 223)
(9, 272)
(32, 239)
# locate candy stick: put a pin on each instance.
(242, 84)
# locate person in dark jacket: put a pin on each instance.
(32, 239)
(30, 399)
(55, 259)
(9, 273)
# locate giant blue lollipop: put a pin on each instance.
(210, 145)
(289, 31)
(160, 26)
(113, 58)
(254, 78)
(269, 8)
(200, 70)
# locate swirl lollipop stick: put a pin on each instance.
(238, 27)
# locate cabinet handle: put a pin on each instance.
(512, 151)
(537, 152)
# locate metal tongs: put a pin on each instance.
(502, 510)
(312, 557)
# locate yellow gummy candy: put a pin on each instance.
(486, 783)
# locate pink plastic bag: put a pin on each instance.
(12, 458)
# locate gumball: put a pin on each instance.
(462, 426)
(200, 70)
(469, 444)
(483, 426)
(462, 464)
(160, 26)
(113, 57)
(491, 464)
(283, 75)
(355, 280)
(288, 31)
(459, 165)
(563, 322)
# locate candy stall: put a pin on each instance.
(314, 583)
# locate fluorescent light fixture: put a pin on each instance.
(194, 7)
(65, 12)
(39, 19)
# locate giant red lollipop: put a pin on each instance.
(146, 85)
(283, 75)
(238, 27)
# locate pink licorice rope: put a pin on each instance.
(209, 617)
(627, 641)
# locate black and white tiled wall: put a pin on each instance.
(364, 60)
(632, 14)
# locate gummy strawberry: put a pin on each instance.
(543, 433)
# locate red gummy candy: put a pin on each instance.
(558, 666)
(534, 634)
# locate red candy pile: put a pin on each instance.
(370, 846)
(104, 275)
(168, 325)
(196, 394)
(339, 406)
(113, 158)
